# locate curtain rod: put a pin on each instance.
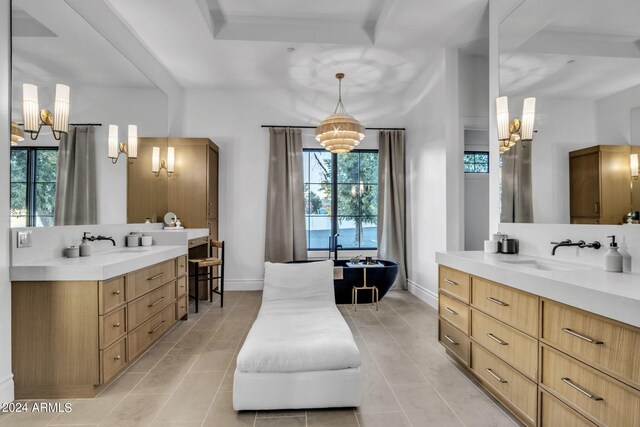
(75, 124)
(313, 127)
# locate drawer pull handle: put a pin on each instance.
(497, 301)
(156, 303)
(156, 276)
(116, 292)
(116, 325)
(451, 340)
(582, 337)
(451, 311)
(157, 327)
(496, 339)
(570, 383)
(181, 265)
(493, 374)
(116, 357)
(451, 282)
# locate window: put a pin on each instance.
(341, 195)
(33, 186)
(476, 162)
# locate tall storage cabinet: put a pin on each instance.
(599, 184)
(191, 192)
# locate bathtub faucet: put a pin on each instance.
(335, 246)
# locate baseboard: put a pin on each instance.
(423, 293)
(6, 389)
(243, 285)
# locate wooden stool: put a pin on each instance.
(373, 289)
(210, 263)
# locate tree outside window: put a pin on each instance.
(341, 194)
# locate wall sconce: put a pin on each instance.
(510, 132)
(633, 163)
(16, 134)
(34, 118)
(116, 147)
(157, 164)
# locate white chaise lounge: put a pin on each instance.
(300, 352)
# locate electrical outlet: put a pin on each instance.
(24, 239)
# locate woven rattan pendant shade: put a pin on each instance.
(339, 132)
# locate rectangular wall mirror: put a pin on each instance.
(52, 44)
(580, 59)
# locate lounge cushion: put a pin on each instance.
(302, 281)
(298, 336)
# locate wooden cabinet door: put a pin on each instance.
(188, 186)
(584, 181)
(212, 189)
(146, 193)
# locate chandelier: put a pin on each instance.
(339, 132)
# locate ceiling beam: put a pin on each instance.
(580, 44)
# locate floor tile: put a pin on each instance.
(136, 410)
(383, 419)
(281, 422)
(332, 418)
(221, 413)
(193, 397)
(424, 407)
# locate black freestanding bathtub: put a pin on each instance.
(381, 277)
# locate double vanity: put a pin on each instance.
(78, 322)
(551, 340)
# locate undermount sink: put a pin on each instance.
(125, 251)
(546, 265)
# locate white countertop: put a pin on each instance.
(613, 295)
(99, 266)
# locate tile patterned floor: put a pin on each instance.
(186, 378)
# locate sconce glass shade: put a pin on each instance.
(502, 117)
(633, 161)
(30, 109)
(171, 159)
(132, 143)
(61, 109)
(17, 134)
(114, 150)
(155, 160)
(528, 118)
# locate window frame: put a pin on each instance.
(31, 183)
(474, 152)
(334, 197)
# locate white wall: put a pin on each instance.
(145, 107)
(614, 116)
(232, 119)
(6, 378)
(430, 138)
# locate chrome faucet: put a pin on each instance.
(580, 243)
(88, 236)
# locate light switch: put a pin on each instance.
(24, 239)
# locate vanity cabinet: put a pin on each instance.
(599, 182)
(70, 338)
(548, 363)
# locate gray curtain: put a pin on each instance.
(286, 237)
(391, 202)
(76, 183)
(516, 198)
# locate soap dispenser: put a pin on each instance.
(85, 246)
(613, 258)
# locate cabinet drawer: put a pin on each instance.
(606, 400)
(454, 311)
(513, 307)
(111, 294)
(182, 306)
(454, 340)
(181, 286)
(517, 349)
(144, 280)
(601, 342)
(150, 331)
(113, 326)
(181, 265)
(454, 282)
(148, 305)
(198, 241)
(555, 413)
(112, 360)
(505, 381)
